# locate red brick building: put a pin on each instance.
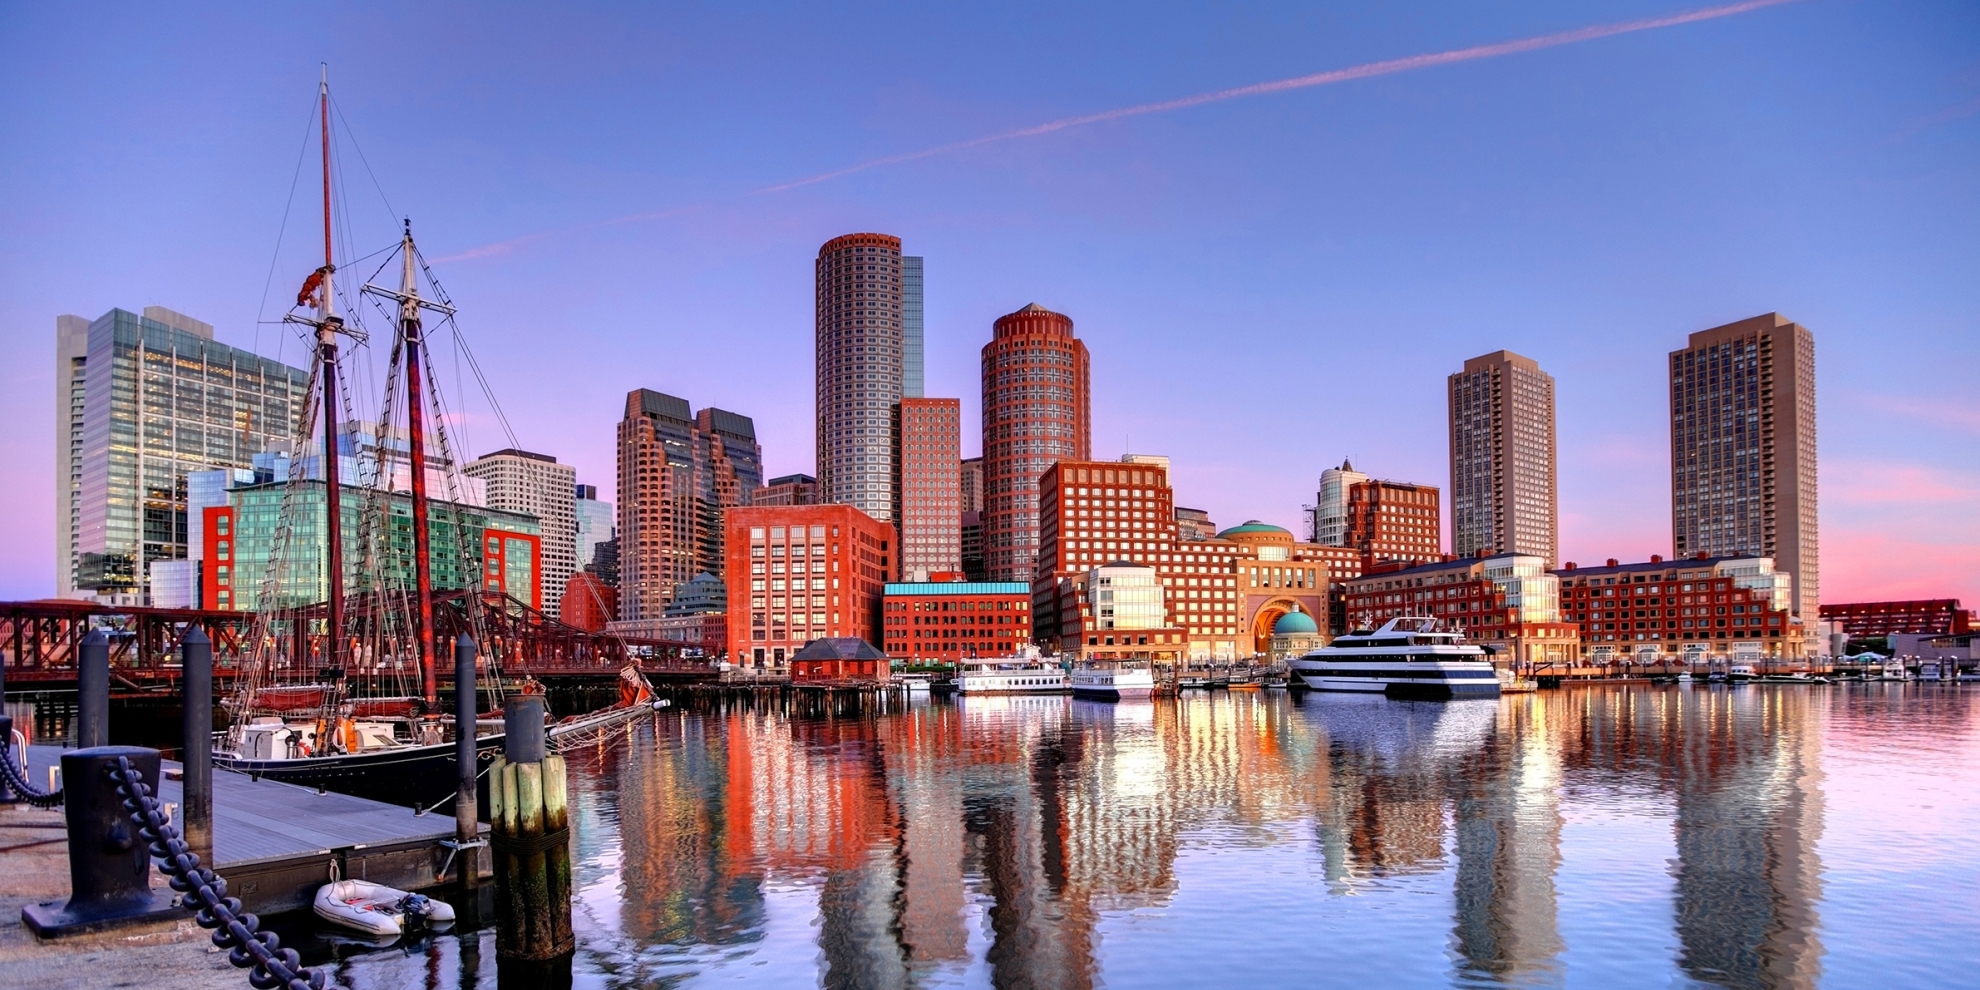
(928, 486)
(1506, 602)
(1394, 520)
(946, 621)
(1927, 617)
(1036, 411)
(1717, 606)
(802, 572)
(588, 602)
(791, 489)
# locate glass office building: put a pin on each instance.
(155, 398)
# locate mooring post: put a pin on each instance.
(93, 691)
(196, 758)
(531, 827)
(109, 862)
(467, 805)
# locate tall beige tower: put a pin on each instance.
(1504, 494)
(536, 485)
(1743, 450)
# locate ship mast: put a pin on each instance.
(411, 336)
(328, 325)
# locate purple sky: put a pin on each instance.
(1268, 283)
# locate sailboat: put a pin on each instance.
(307, 709)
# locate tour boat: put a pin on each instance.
(378, 910)
(1024, 673)
(1113, 682)
(1892, 670)
(1409, 657)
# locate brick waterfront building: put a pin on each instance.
(1703, 606)
(1036, 411)
(928, 486)
(1926, 617)
(1394, 520)
(946, 621)
(1222, 596)
(803, 572)
(1508, 603)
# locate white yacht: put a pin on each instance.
(1113, 681)
(1409, 657)
(1026, 673)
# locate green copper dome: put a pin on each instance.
(1252, 526)
(1294, 624)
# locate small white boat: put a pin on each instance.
(1113, 682)
(1027, 672)
(376, 909)
(1741, 673)
(915, 683)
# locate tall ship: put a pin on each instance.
(1026, 672)
(1409, 657)
(1113, 681)
(342, 693)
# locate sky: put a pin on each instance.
(617, 197)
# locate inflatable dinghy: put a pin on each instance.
(376, 909)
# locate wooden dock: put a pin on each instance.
(276, 843)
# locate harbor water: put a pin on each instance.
(1604, 836)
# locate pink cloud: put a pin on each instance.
(1868, 565)
(1852, 483)
(1938, 412)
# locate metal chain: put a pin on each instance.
(17, 779)
(269, 966)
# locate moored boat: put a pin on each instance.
(1113, 682)
(378, 910)
(1024, 673)
(1409, 657)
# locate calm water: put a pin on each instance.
(1598, 837)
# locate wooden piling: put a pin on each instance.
(531, 828)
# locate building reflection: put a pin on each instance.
(1008, 828)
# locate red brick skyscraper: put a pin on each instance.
(859, 370)
(1036, 412)
(928, 511)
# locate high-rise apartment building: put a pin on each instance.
(678, 473)
(970, 480)
(790, 489)
(595, 523)
(1036, 411)
(1329, 525)
(1504, 497)
(927, 443)
(1743, 451)
(1394, 520)
(860, 340)
(141, 402)
(536, 485)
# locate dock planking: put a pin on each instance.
(276, 843)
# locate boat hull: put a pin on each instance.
(1096, 692)
(1413, 681)
(410, 776)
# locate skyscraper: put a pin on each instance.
(970, 480)
(912, 363)
(141, 402)
(536, 485)
(596, 523)
(677, 473)
(860, 340)
(1503, 493)
(1330, 505)
(1743, 450)
(927, 511)
(1036, 411)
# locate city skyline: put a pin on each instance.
(1190, 318)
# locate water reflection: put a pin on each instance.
(1045, 842)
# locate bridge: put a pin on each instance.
(39, 641)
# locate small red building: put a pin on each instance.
(838, 660)
(588, 602)
(1929, 617)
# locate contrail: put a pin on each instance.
(1365, 71)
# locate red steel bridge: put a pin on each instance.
(39, 641)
